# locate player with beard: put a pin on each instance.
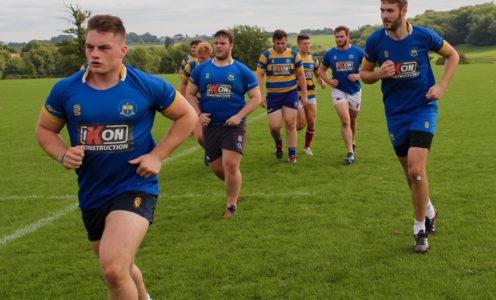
(401, 50)
(190, 57)
(284, 69)
(306, 114)
(109, 109)
(222, 84)
(344, 61)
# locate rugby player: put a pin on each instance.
(284, 68)
(410, 94)
(109, 109)
(222, 84)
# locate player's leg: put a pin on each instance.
(212, 139)
(310, 113)
(353, 126)
(289, 116)
(198, 132)
(301, 120)
(230, 162)
(275, 124)
(355, 101)
(124, 232)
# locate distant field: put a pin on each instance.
(485, 54)
(313, 230)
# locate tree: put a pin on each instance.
(168, 42)
(43, 57)
(78, 18)
(249, 43)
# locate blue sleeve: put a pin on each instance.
(435, 41)
(325, 60)
(249, 79)
(370, 54)
(163, 94)
(54, 104)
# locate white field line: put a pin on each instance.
(73, 206)
(37, 225)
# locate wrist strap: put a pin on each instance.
(62, 158)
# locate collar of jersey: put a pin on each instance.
(231, 61)
(122, 73)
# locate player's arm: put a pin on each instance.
(255, 98)
(452, 58)
(184, 119)
(260, 76)
(302, 82)
(184, 84)
(368, 74)
(191, 91)
(325, 77)
(319, 79)
(47, 133)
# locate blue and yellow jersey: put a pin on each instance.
(311, 66)
(114, 126)
(343, 63)
(405, 91)
(185, 61)
(222, 89)
(188, 69)
(280, 68)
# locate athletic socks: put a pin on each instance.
(291, 151)
(308, 137)
(430, 212)
(418, 226)
(278, 145)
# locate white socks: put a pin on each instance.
(418, 225)
(430, 212)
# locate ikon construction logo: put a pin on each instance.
(217, 90)
(308, 74)
(106, 138)
(344, 66)
(406, 70)
(281, 69)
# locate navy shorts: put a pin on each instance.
(138, 202)
(218, 137)
(275, 101)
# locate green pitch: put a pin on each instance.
(314, 230)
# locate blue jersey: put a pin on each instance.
(222, 89)
(114, 126)
(405, 92)
(342, 64)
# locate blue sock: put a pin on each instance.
(291, 151)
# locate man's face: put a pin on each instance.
(222, 47)
(280, 44)
(104, 51)
(304, 46)
(391, 15)
(193, 50)
(341, 38)
(203, 56)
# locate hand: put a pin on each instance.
(73, 157)
(204, 119)
(353, 77)
(149, 165)
(436, 92)
(234, 120)
(334, 83)
(387, 69)
(322, 83)
(263, 103)
(304, 101)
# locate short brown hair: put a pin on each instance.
(302, 37)
(401, 3)
(342, 28)
(195, 42)
(107, 23)
(279, 34)
(225, 33)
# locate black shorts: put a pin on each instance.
(416, 138)
(216, 138)
(138, 202)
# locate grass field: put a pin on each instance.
(314, 230)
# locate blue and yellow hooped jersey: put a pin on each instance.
(186, 60)
(405, 91)
(114, 126)
(281, 69)
(311, 66)
(188, 69)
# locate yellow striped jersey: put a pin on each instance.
(186, 60)
(311, 66)
(280, 68)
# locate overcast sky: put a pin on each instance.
(25, 20)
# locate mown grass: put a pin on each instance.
(314, 230)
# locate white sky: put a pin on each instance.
(25, 20)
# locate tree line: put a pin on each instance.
(474, 25)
